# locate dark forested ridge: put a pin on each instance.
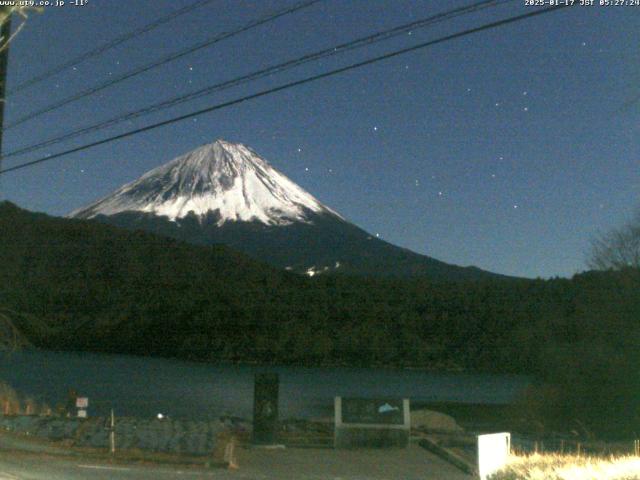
(96, 287)
(324, 243)
(102, 288)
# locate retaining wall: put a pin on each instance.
(166, 435)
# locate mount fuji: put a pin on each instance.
(224, 193)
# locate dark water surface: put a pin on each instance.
(139, 386)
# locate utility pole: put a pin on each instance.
(5, 35)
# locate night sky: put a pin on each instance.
(507, 149)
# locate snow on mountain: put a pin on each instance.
(225, 194)
(223, 178)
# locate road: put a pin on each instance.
(25, 458)
(255, 464)
(21, 466)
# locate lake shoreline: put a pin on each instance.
(135, 385)
(439, 369)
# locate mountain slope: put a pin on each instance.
(80, 285)
(83, 285)
(225, 193)
(221, 177)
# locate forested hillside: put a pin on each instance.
(96, 287)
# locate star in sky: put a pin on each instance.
(508, 81)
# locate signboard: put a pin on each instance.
(372, 422)
(493, 453)
(82, 414)
(82, 402)
(265, 408)
(373, 411)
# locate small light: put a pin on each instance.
(160, 416)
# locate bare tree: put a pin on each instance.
(618, 249)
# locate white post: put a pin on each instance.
(112, 434)
(493, 453)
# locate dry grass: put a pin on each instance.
(569, 467)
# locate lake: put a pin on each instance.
(140, 386)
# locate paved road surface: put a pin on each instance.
(31, 467)
(255, 464)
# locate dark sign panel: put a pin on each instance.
(373, 411)
(265, 408)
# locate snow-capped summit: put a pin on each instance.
(225, 179)
(224, 193)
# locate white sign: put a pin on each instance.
(493, 453)
(82, 414)
(82, 402)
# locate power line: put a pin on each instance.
(162, 61)
(339, 49)
(331, 73)
(108, 46)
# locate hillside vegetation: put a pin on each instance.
(95, 287)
